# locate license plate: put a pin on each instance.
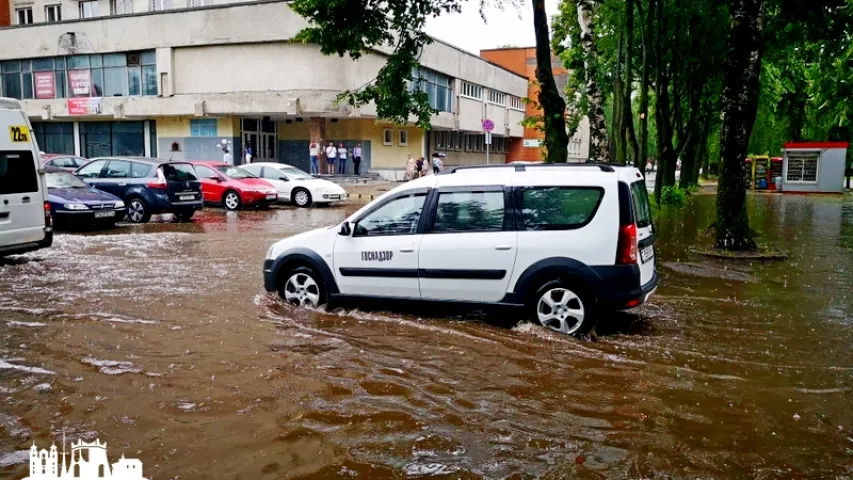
(186, 197)
(647, 253)
(334, 197)
(105, 214)
(272, 197)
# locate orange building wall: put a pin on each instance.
(5, 14)
(523, 62)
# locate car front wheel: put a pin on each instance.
(302, 197)
(564, 307)
(302, 288)
(231, 200)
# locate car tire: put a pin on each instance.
(301, 197)
(302, 286)
(185, 216)
(231, 200)
(564, 306)
(138, 211)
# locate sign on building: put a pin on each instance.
(84, 106)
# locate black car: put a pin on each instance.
(148, 186)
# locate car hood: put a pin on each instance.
(81, 195)
(321, 183)
(319, 240)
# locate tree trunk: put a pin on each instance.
(644, 85)
(628, 85)
(599, 146)
(617, 133)
(553, 105)
(740, 105)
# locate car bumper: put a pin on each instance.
(30, 246)
(269, 276)
(625, 299)
(259, 198)
(330, 197)
(88, 215)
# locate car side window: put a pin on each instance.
(274, 174)
(118, 169)
(558, 208)
(399, 216)
(469, 211)
(204, 172)
(139, 170)
(92, 170)
(63, 162)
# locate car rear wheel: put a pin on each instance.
(302, 197)
(303, 287)
(232, 200)
(137, 211)
(564, 307)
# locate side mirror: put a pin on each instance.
(346, 230)
(284, 179)
(218, 179)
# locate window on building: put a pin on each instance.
(403, 137)
(803, 167)
(54, 137)
(104, 139)
(160, 5)
(472, 91)
(25, 15)
(436, 85)
(442, 140)
(387, 137)
(53, 13)
(516, 103)
(121, 7)
(469, 212)
(457, 139)
(205, 127)
(198, 3)
(89, 9)
(497, 98)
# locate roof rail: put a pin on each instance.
(521, 168)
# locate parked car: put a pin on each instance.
(73, 203)
(147, 186)
(234, 188)
(25, 221)
(295, 185)
(69, 163)
(564, 242)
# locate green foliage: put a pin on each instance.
(673, 196)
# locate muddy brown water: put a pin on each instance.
(159, 340)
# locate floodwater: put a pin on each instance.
(160, 341)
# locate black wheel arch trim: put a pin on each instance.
(300, 255)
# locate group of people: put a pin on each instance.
(423, 167)
(335, 158)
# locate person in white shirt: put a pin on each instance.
(331, 154)
(314, 154)
(227, 157)
(356, 158)
(342, 159)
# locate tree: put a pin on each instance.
(353, 27)
(740, 105)
(599, 145)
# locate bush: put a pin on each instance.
(673, 196)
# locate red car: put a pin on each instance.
(69, 163)
(233, 187)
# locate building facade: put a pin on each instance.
(529, 147)
(181, 78)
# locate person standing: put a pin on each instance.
(356, 158)
(226, 156)
(331, 154)
(437, 163)
(248, 152)
(314, 153)
(410, 168)
(342, 159)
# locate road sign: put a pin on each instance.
(488, 125)
(488, 137)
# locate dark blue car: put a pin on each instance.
(75, 204)
(147, 186)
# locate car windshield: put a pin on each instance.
(64, 180)
(234, 172)
(295, 173)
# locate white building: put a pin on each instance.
(88, 462)
(173, 78)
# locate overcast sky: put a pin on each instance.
(466, 30)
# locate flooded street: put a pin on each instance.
(160, 340)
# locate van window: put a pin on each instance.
(18, 173)
(642, 209)
(469, 212)
(178, 172)
(558, 208)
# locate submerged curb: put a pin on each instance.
(732, 255)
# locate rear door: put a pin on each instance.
(279, 180)
(92, 172)
(645, 230)
(182, 182)
(469, 251)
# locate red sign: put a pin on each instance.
(488, 125)
(80, 82)
(45, 87)
(84, 106)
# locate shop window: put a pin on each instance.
(803, 167)
(387, 137)
(53, 13)
(25, 15)
(203, 127)
(403, 139)
(88, 9)
(104, 139)
(54, 137)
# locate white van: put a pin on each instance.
(25, 222)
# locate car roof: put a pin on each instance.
(209, 163)
(148, 160)
(55, 170)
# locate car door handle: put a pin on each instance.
(25, 199)
(407, 249)
(503, 247)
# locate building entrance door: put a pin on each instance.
(261, 136)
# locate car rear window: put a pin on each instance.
(18, 173)
(558, 208)
(178, 172)
(642, 208)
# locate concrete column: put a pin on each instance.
(165, 72)
(76, 131)
(317, 129)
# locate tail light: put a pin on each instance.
(160, 182)
(48, 220)
(627, 251)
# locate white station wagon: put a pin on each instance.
(563, 241)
